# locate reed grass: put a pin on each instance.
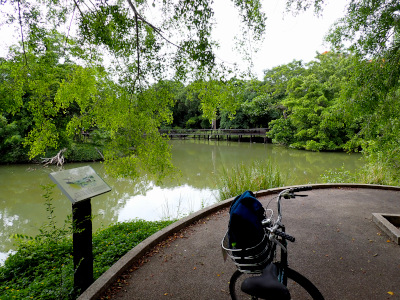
(260, 175)
(371, 173)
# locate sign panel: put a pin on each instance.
(80, 183)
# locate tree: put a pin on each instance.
(370, 31)
(176, 42)
(310, 119)
(27, 94)
(277, 78)
(258, 106)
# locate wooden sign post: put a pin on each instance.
(79, 185)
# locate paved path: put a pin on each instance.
(337, 247)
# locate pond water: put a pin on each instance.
(22, 208)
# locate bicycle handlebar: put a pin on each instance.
(285, 236)
(302, 188)
(289, 193)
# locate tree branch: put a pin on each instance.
(137, 45)
(69, 28)
(157, 30)
(77, 6)
(22, 32)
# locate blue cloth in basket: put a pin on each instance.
(245, 228)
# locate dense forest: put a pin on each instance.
(57, 92)
(296, 101)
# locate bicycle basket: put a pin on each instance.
(249, 260)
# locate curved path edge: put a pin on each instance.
(124, 263)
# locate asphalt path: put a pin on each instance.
(338, 247)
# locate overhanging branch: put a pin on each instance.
(22, 32)
(157, 30)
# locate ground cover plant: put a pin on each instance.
(42, 267)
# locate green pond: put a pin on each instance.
(22, 208)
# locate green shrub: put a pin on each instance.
(374, 172)
(112, 243)
(83, 152)
(99, 137)
(338, 176)
(313, 145)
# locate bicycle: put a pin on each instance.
(259, 273)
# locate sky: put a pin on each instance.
(287, 37)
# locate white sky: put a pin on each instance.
(287, 37)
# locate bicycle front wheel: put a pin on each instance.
(299, 286)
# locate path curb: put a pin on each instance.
(125, 262)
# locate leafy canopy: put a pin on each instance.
(101, 71)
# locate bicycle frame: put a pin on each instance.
(283, 264)
(277, 263)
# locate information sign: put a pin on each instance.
(80, 183)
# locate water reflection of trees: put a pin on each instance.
(22, 207)
(201, 161)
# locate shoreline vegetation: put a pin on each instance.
(42, 267)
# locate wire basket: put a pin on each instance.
(249, 260)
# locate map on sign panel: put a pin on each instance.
(80, 183)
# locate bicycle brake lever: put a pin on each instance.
(288, 195)
(274, 240)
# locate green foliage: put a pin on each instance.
(140, 43)
(42, 267)
(112, 243)
(338, 176)
(215, 96)
(193, 123)
(371, 27)
(11, 140)
(53, 87)
(259, 175)
(261, 110)
(99, 137)
(281, 131)
(83, 152)
(302, 5)
(370, 31)
(39, 271)
(66, 98)
(11, 87)
(276, 79)
(311, 120)
(240, 120)
(375, 171)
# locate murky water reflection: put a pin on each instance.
(22, 207)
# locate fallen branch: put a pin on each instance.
(57, 159)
